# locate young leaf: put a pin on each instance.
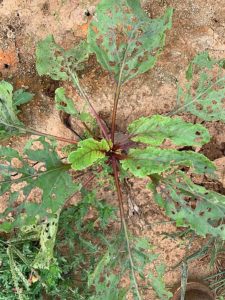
(154, 130)
(88, 152)
(48, 177)
(144, 162)
(54, 61)
(125, 41)
(9, 123)
(191, 205)
(21, 97)
(66, 104)
(205, 90)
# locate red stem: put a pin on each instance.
(83, 94)
(36, 132)
(99, 121)
(115, 105)
(118, 188)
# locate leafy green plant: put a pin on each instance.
(126, 43)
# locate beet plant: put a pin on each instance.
(126, 43)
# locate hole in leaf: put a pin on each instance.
(209, 109)
(199, 106)
(112, 63)
(87, 13)
(134, 19)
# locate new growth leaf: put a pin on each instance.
(88, 152)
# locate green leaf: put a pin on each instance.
(191, 205)
(47, 183)
(66, 104)
(49, 59)
(88, 152)
(125, 41)
(204, 93)
(9, 123)
(114, 266)
(201, 60)
(143, 255)
(156, 129)
(158, 283)
(144, 162)
(94, 277)
(21, 97)
(54, 61)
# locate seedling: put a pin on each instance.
(126, 44)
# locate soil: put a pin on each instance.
(197, 26)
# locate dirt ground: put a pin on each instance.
(197, 25)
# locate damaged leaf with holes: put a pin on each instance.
(125, 40)
(156, 129)
(189, 204)
(10, 125)
(44, 176)
(54, 61)
(114, 269)
(48, 232)
(151, 160)
(204, 93)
